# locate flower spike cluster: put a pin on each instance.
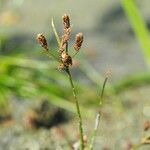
(64, 58)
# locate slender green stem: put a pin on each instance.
(103, 88)
(78, 110)
(97, 120)
(66, 47)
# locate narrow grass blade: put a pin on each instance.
(139, 27)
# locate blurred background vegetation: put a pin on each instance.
(116, 36)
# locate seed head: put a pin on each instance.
(66, 21)
(42, 41)
(66, 59)
(66, 36)
(78, 41)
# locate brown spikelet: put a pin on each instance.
(66, 59)
(78, 41)
(42, 41)
(66, 21)
(66, 35)
(67, 30)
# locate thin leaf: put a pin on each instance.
(55, 32)
(139, 27)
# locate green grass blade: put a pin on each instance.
(139, 27)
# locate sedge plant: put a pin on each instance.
(65, 62)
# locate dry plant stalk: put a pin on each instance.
(65, 61)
